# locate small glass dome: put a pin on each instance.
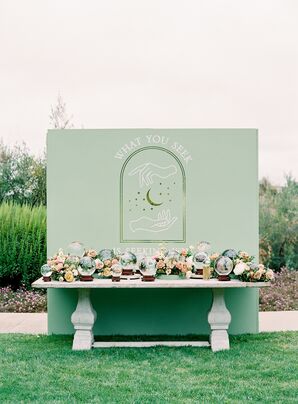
(106, 254)
(199, 259)
(172, 254)
(128, 260)
(116, 270)
(86, 266)
(46, 270)
(223, 265)
(76, 248)
(148, 266)
(204, 246)
(231, 253)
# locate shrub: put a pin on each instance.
(279, 224)
(22, 243)
(22, 301)
(283, 295)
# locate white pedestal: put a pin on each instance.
(83, 319)
(219, 319)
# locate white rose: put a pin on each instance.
(75, 272)
(189, 261)
(240, 268)
(61, 279)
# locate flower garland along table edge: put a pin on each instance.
(84, 316)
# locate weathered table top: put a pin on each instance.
(158, 283)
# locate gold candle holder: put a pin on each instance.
(206, 273)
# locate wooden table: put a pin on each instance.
(84, 316)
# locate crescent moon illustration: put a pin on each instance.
(150, 200)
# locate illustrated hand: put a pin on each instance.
(162, 223)
(148, 171)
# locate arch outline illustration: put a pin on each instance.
(163, 149)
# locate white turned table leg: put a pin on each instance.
(219, 319)
(83, 319)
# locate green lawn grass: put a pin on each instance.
(258, 368)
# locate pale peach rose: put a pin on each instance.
(91, 253)
(98, 264)
(59, 266)
(179, 265)
(107, 263)
(184, 252)
(184, 268)
(243, 255)
(257, 275)
(114, 261)
(269, 274)
(261, 269)
(160, 264)
(214, 256)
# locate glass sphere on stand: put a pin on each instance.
(116, 270)
(223, 266)
(148, 269)
(86, 268)
(128, 261)
(199, 260)
(46, 272)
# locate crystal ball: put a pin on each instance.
(231, 253)
(173, 254)
(76, 248)
(106, 254)
(128, 260)
(86, 266)
(46, 270)
(223, 265)
(199, 259)
(148, 266)
(204, 246)
(116, 270)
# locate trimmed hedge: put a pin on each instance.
(22, 243)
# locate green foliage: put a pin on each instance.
(259, 368)
(279, 224)
(22, 176)
(22, 243)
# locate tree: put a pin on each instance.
(22, 176)
(59, 118)
(279, 224)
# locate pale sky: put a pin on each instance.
(154, 63)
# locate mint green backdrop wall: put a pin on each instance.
(212, 196)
